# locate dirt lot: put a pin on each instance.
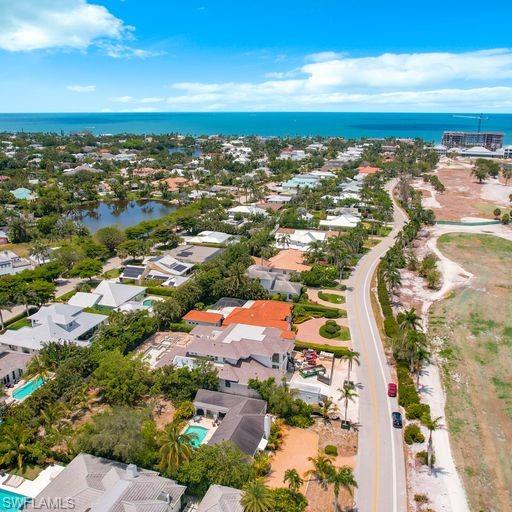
(474, 327)
(464, 196)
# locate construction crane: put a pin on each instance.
(480, 117)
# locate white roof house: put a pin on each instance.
(211, 237)
(55, 322)
(345, 220)
(246, 210)
(110, 294)
(298, 238)
(11, 263)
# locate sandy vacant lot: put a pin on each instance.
(464, 196)
(474, 328)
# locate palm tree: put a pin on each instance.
(341, 478)
(346, 395)
(51, 415)
(322, 468)
(294, 480)
(15, 447)
(284, 239)
(328, 407)
(175, 448)
(40, 250)
(351, 356)
(37, 368)
(408, 319)
(5, 303)
(257, 497)
(432, 424)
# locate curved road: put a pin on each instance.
(380, 470)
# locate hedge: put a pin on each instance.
(413, 434)
(332, 450)
(159, 290)
(180, 327)
(336, 351)
(323, 310)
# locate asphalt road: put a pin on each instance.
(380, 470)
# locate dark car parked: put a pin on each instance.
(397, 419)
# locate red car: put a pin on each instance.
(392, 389)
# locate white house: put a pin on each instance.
(298, 238)
(246, 211)
(345, 220)
(11, 263)
(55, 322)
(211, 237)
(109, 294)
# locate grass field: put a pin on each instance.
(334, 298)
(474, 326)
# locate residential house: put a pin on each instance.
(299, 239)
(367, 169)
(288, 261)
(274, 281)
(220, 498)
(207, 318)
(94, 484)
(168, 270)
(55, 322)
(195, 254)
(245, 210)
(12, 366)
(11, 263)
(243, 420)
(212, 237)
(109, 294)
(175, 184)
(344, 221)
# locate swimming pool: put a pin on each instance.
(199, 434)
(10, 501)
(147, 303)
(27, 389)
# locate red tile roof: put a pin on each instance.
(367, 169)
(203, 316)
(264, 313)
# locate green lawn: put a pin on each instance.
(342, 333)
(22, 322)
(333, 298)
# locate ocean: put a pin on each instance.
(429, 127)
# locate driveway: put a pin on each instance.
(309, 331)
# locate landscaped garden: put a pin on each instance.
(333, 331)
(334, 298)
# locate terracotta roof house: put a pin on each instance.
(264, 313)
(174, 184)
(289, 260)
(368, 169)
(195, 317)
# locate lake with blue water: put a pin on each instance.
(120, 213)
(429, 127)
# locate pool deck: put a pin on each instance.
(31, 488)
(10, 399)
(205, 423)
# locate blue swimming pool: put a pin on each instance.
(27, 389)
(198, 432)
(10, 501)
(147, 303)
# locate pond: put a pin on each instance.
(195, 152)
(121, 213)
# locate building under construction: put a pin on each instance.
(489, 140)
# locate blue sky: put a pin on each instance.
(279, 55)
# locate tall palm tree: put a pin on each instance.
(341, 478)
(409, 319)
(432, 425)
(328, 407)
(37, 368)
(346, 395)
(15, 449)
(322, 468)
(294, 480)
(352, 357)
(40, 250)
(284, 239)
(175, 448)
(257, 497)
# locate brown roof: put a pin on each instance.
(203, 316)
(289, 259)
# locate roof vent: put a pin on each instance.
(131, 471)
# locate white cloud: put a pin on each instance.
(27, 25)
(81, 88)
(41, 24)
(422, 81)
(122, 99)
(151, 100)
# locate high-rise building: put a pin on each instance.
(489, 140)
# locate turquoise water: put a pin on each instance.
(147, 303)
(121, 213)
(200, 434)
(27, 389)
(345, 124)
(10, 501)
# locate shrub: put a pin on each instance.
(416, 411)
(331, 450)
(421, 498)
(160, 290)
(185, 411)
(337, 351)
(423, 457)
(413, 434)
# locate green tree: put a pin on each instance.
(5, 304)
(110, 237)
(40, 250)
(86, 269)
(480, 172)
(37, 367)
(257, 497)
(123, 380)
(341, 478)
(322, 468)
(348, 394)
(352, 357)
(432, 425)
(166, 312)
(133, 248)
(496, 213)
(175, 448)
(409, 320)
(15, 447)
(40, 292)
(288, 501)
(293, 479)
